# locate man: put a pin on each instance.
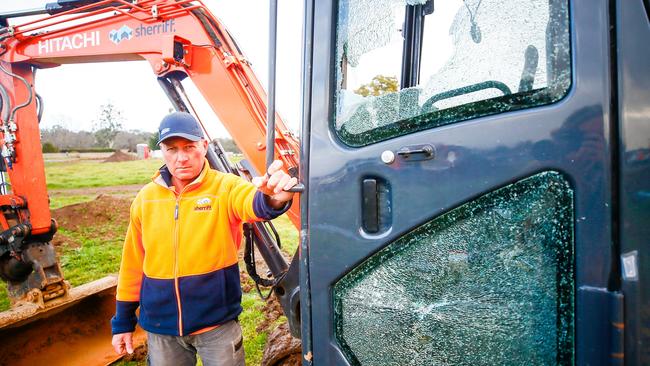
(179, 263)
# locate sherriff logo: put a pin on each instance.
(203, 204)
(125, 33)
(119, 35)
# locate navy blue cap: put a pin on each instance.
(179, 124)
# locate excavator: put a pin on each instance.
(475, 175)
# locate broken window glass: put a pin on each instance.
(488, 283)
(478, 57)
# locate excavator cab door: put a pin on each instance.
(459, 183)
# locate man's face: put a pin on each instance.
(184, 158)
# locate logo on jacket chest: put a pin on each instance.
(203, 204)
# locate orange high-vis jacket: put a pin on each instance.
(179, 262)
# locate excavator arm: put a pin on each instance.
(179, 39)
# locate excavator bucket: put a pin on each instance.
(71, 331)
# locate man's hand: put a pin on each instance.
(123, 343)
(273, 184)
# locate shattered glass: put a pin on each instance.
(488, 283)
(479, 57)
(368, 24)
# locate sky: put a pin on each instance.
(73, 94)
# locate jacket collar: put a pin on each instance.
(164, 178)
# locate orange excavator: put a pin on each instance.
(179, 39)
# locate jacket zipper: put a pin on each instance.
(176, 290)
(178, 294)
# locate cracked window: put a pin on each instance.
(488, 283)
(477, 57)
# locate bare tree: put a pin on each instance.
(108, 125)
(130, 139)
(64, 139)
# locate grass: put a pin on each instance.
(58, 201)
(86, 174)
(249, 319)
(4, 297)
(100, 250)
(288, 234)
(98, 255)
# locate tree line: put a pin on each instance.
(107, 135)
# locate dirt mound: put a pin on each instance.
(282, 349)
(119, 156)
(103, 210)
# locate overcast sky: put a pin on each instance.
(73, 94)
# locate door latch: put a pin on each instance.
(417, 152)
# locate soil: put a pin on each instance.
(139, 354)
(119, 156)
(103, 210)
(60, 239)
(127, 191)
(272, 311)
(281, 348)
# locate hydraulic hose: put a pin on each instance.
(39, 107)
(39, 100)
(30, 95)
(5, 105)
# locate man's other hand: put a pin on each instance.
(123, 343)
(274, 183)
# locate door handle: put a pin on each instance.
(417, 152)
(376, 205)
(370, 209)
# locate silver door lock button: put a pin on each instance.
(388, 157)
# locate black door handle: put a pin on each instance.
(370, 208)
(417, 152)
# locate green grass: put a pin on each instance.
(85, 174)
(288, 234)
(98, 255)
(250, 318)
(58, 201)
(4, 297)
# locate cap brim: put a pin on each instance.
(183, 135)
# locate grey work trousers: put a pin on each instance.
(222, 346)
